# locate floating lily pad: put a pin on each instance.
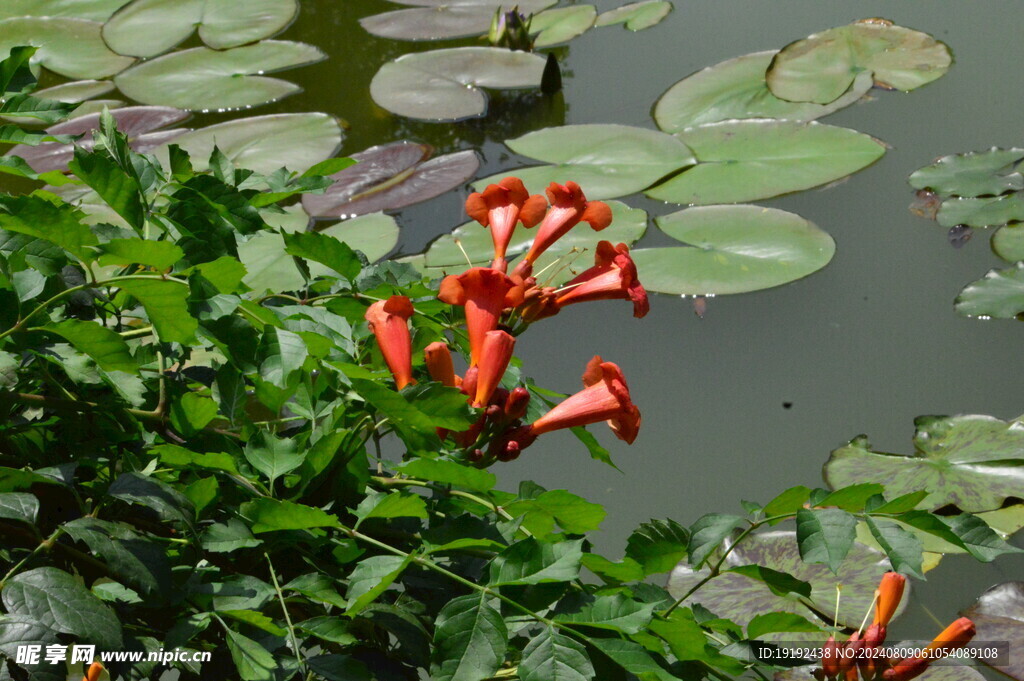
(296, 141)
(948, 671)
(442, 19)
(636, 16)
(146, 28)
(736, 89)
(984, 173)
(203, 79)
(444, 85)
(999, 294)
(137, 122)
(269, 267)
(389, 177)
(972, 462)
(444, 256)
(998, 615)
(757, 159)
(555, 26)
(70, 47)
(981, 212)
(734, 249)
(821, 67)
(1008, 243)
(95, 10)
(607, 161)
(76, 91)
(741, 598)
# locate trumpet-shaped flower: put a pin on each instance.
(605, 397)
(389, 322)
(500, 207)
(439, 364)
(569, 206)
(613, 276)
(494, 359)
(484, 292)
(956, 635)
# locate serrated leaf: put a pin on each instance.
(269, 515)
(228, 537)
(774, 622)
(18, 506)
(551, 656)
(904, 550)
(574, 514)
(658, 545)
(326, 250)
(616, 612)
(252, 660)
(166, 305)
(530, 561)
(118, 189)
(626, 570)
(273, 456)
(395, 504)
(780, 583)
(371, 578)
(707, 533)
(106, 347)
(470, 640)
(160, 255)
(256, 619)
(449, 473)
(157, 495)
(60, 224)
(825, 535)
(137, 561)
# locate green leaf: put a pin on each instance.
(733, 249)
(324, 249)
(597, 452)
(106, 347)
(160, 255)
(562, 24)
(133, 559)
(530, 561)
(256, 619)
(27, 106)
(636, 16)
(396, 504)
(58, 601)
(15, 74)
(904, 550)
(790, 501)
(273, 456)
(825, 535)
(616, 612)
(902, 503)
(970, 461)
(852, 498)
(470, 640)
(18, 506)
(442, 407)
(202, 78)
(179, 457)
(58, 223)
(821, 67)
(192, 413)
(117, 188)
(707, 533)
(318, 587)
(228, 537)
(269, 515)
(436, 20)
(169, 504)
(551, 656)
(987, 211)
(736, 89)
(283, 353)
(449, 473)
(779, 622)
(165, 302)
(626, 570)
(658, 545)
(574, 514)
(445, 84)
(977, 537)
(999, 294)
(252, 660)
(372, 577)
(632, 657)
(780, 583)
(757, 159)
(983, 173)
(330, 629)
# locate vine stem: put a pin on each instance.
(44, 545)
(287, 617)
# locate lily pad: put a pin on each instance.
(443, 19)
(94, 10)
(823, 66)
(389, 177)
(607, 160)
(998, 615)
(984, 173)
(296, 141)
(636, 16)
(733, 249)
(203, 79)
(444, 85)
(69, 47)
(736, 89)
(556, 26)
(999, 294)
(269, 267)
(137, 122)
(972, 462)
(1008, 243)
(444, 256)
(758, 159)
(76, 91)
(741, 598)
(146, 28)
(943, 672)
(981, 212)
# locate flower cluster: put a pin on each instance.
(498, 306)
(860, 654)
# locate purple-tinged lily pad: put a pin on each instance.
(443, 19)
(389, 177)
(999, 616)
(943, 672)
(139, 123)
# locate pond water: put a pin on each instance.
(752, 398)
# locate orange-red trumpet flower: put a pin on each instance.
(500, 207)
(94, 672)
(569, 206)
(494, 359)
(605, 398)
(613, 276)
(484, 292)
(955, 636)
(389, 322)
(439, 364)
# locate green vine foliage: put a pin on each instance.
(189, 465)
